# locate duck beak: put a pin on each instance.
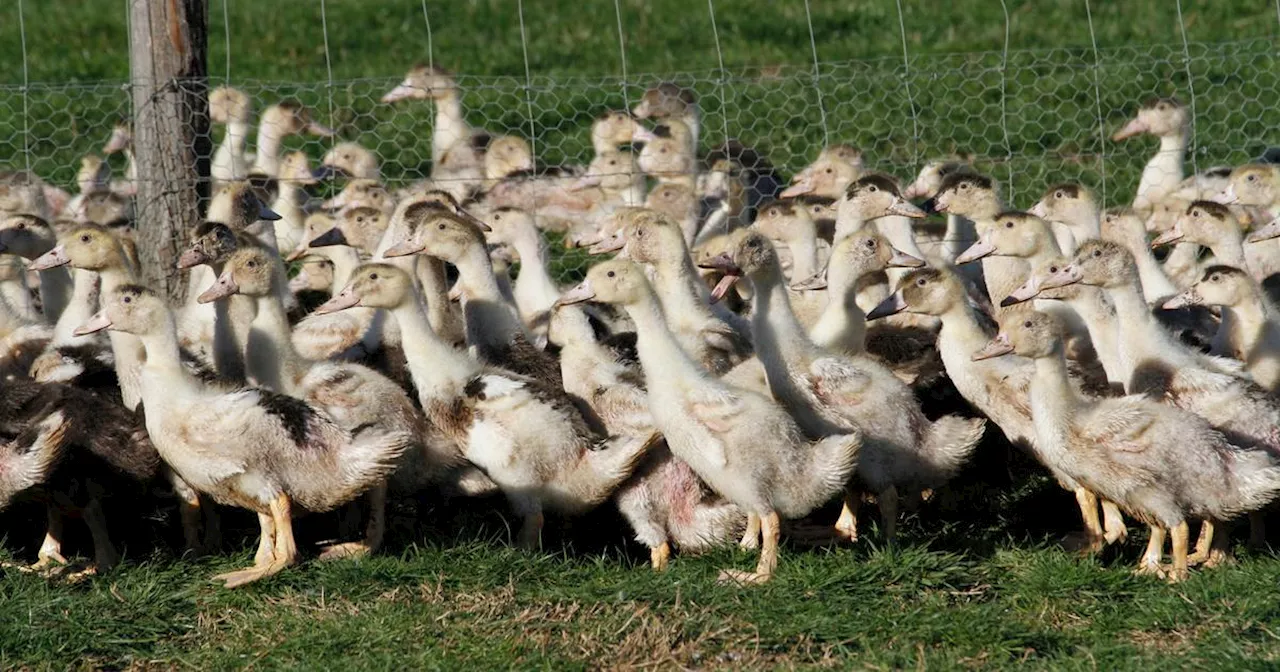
(266, 213)
(938, 205)
(1188, 298)
(1267, 232)
(802, 186)
(901, 259)
(295, 255)
(479, 223)
(732, 274)
(403, 90)
(317, 128)
(586, 182)
(582, 292)
(1134, 127)
(118, 143)
(329, 238)
(1170, 236)
(608, 245)
(641, 111)
(191, 258)
(96, 323)
(343, 300)
(224, 287)
(976, 251)
(1067, 275)
(998, 346)
(905, 208)
(891, 306)
(1226, 196)
(811, 283)
(51, 259)
(403, 248)
(1040, 209)
(1026, 292)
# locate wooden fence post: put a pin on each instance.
(168, 65)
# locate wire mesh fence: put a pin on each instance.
(1027, 117)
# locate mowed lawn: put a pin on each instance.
(978, 578)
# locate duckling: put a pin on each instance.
(832, 394)
(1166, 119)
(457, 149)
(445, 315)
(679, 201)
(94, 177)
(788, 223)
(999, 388)
(250, 448)
(293, 179)
(1070, 205)
(672, 102)
(960, 233)
(1256, 187)
(612, 131)
(351, 160)
(534, 290)
(507, 155)
(528, 437)
(829, 175)
(1250, 329)
(278, 122)
(23, 193)
(976, 198)
(493, 326)
(877, 198)
(361, 192)
(612, 179)
(355, 396)
(1125, 228)
(669, 162)
(121, 142)
(29, 236)
(664, 500)
(231, 108)
(1161, 465)
(652, 239)
(742, 444)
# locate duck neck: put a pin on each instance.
(847, 224)
(83, 303)
(1228, 248)
(438, 369)
(1163, 172)
(488, 316)
(961, 334)
(345, 260)
(163, 358)
(1142, 339)
(803, 243)
(842, 325)
(1053, 402)
(267, 161)
(960, 235)
(776, 332)
(661, 356)
(272, 360)
(678, 287)
(450, 127)
(1086, 225)
(534, 280)
(1245, 322)
(231, 151)
(1155, 283)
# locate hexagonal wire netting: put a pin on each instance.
(1028, 117)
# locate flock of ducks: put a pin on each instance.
(752, 351)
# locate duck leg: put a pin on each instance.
(531, 531)
(751, 535)
(847, 523)
(659, 556)
(1204, 544)
(1180, 535)
(1113, 523)
(1094, 539)
(189, 510)
(888, 501)
(277, 532)
(266, 541)
(286, 547)
(50, 552)
(770, 531)
(104, 552)
(1150, 562)
(1212, 548)
(374, 531)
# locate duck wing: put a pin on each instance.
(1119, 424)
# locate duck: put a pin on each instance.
(829, 175)
(1161, 465)
(291, 198)
(534, 291)
(234, 109)
(831, 394)
(29, 237)
(457, 149)
(362, 192)
(493, 326)
(278, 122)
(975, 197)
(791, 228)
(250, 448)
(1250, 329)
(877, 198)
(1167, 119)
(94, 177)
(1073, 206)
(742, 444)
(671, 102)
(121, 142)
(24, 193)
(999, 387)
(679, 201)
(527, 436)
(355, 396)
(669, 162)
(612, 131)
(655, 240)
(351, 160)
(1256, 187)
(664, 501)
(960, 232)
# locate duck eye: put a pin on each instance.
(442, 227)
(1026, 325)
(1252, 178)
(611, 274)
(360, 219)
(871, 243)
(1097, 253)
(22, 225)
(84, 238)
(1057, 194)
(964, 186)
(373, 276)
(1008, 224)
(827, 171)
(613, 163)
(252, 264)
(1215, 277)
(127, 299)
(1053, 269)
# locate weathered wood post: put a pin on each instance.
(168, 65)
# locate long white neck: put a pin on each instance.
(439, 370)
(1244, 324)
(272, 362)
(163, 360)
(843, 325)
(229, 159)
(270, 137)
(1142, 339)
(682, 294)
(1228, 249)
(534, 289)
(661, 356)
(960, 235)
(489, 318)
(288, 204)
(345, 260)
(1099, 315)
(1163, 172)
(1156, 284)
(450, 126)
(83, 304)
(126, 348)
(1053, 407)
(130, 166)
(802, 241)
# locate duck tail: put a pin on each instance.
(833, 460)
(30, 458)
(373, 453)
(715, 522)
(949, 442)
(1256, 477)
(614, 459)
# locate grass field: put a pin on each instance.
(977, 579)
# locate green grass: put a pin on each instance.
(977, 581)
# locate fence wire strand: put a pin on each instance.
(26, 85)
(1097, 101)
(1194, 149)
(817, 75)
(906, 83)
(431, 51)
